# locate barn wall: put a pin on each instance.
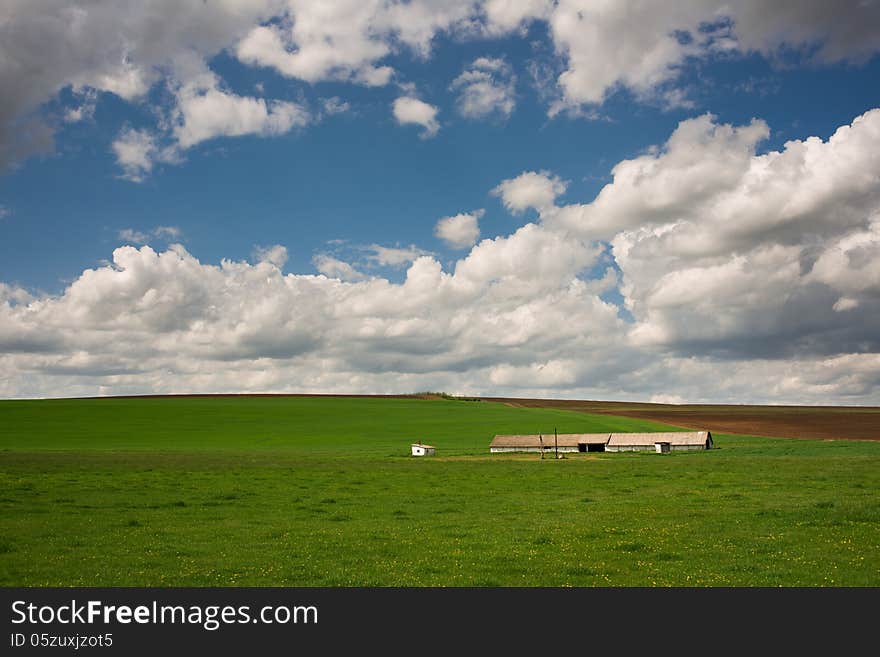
(498, 450)
(534, 450)
(608, 448)
(650, 448)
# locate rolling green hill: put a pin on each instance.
(355, 425)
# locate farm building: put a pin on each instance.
(671, 441)
(422, 450)
(566, 442)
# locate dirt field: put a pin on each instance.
(828, 422)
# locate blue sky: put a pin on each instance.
(327, 165)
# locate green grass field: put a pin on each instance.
(322, 492)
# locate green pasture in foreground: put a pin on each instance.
(321, 491)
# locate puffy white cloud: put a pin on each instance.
(348, 261)
(13, 294)
(461, 230)
(347, 40)
(622, 43)
(392, 256)
(828, 32)
(136, 151)
(335, 268)
(321, 40)
(531, 261)
(512, 318)
(205, 111)
(174, 319)
(727, 252)
(851, 265)
(707, 192)
(274, 255)
(133, 236)
(848, 375)
(409, 110)
(120, 47)
(509, 15)
(530, 189)
(168, 232)
(125, 47)
(335, 105)
(744, 276)
(643, 46)
(699, 161)
(486, 88)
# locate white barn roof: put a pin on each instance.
(671, 437)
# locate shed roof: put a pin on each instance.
(563, 440)
(671, 437)
(423, 445)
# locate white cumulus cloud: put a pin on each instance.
(205, 111)
(167, 233)
(409, 110)
(121, 47)
(461, 230)
(275, 254)
(726, 251)
(644, 46)
(136, 152)
(333, 267)
(530, 189)
(486, 88)
(127, 47)
(392, 256)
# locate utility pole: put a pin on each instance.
(555, 442)
(541, 438)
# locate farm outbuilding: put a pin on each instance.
(418, 449)
(673, 441)
(662, 442)
(565, 442)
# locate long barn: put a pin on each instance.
(666, 441)
(676, 441)
(565, 442)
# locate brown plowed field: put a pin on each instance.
(823, 422)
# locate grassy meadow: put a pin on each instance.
(301, 491)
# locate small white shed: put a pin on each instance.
(418, 449)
